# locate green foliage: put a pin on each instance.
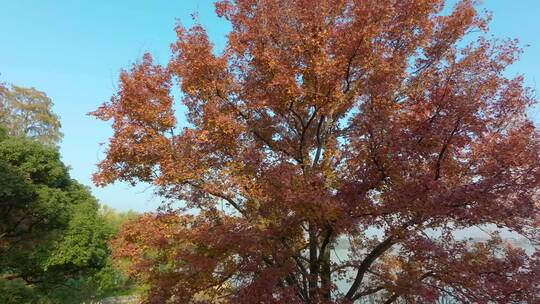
(84, 240)
(3, 132)
(28, 112)
(33, 189)
(109, 280)
(114, 219)
(16, 291)
(53, 233)
(53, 239)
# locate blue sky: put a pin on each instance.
(74, 49)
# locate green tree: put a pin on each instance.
(115, 219)
(15, 291)
(52, 238)
(28, 112)
(53, 233)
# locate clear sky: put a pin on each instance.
(74, 49)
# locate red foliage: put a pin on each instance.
(325, 120)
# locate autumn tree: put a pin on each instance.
(389, 125)
(28, 112)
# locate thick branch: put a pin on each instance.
(367, 292)
(366, 263)
(314, 265)
(443, 150)
(304, 131)
(319, 141)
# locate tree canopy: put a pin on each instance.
(28, 112)
(52, 237)
(49, 226)
(388, 124)
(53, 232)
